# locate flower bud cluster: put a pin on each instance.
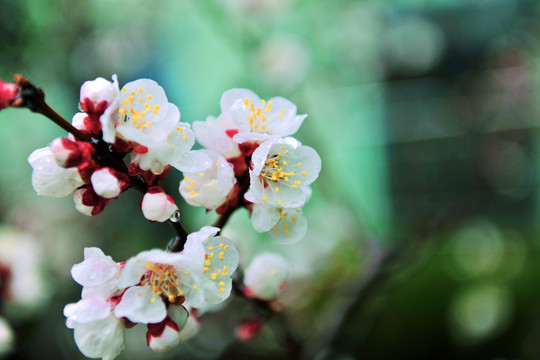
(137, 120)
(154, 288)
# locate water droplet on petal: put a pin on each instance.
(175, 217)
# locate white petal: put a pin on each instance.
(95, 269)
(141, 305)
(193, 161)
(291, 228)
(48, 178)
(87, 310)
(264, 217)
(100, 339)
(229, 97)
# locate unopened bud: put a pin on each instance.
(109, 183)
(165, 335)
(156, 205)
(88, 202)
(8, 93)
(266, 275)
(68, 153)
(97, 94)
(249, 329)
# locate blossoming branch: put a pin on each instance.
(132, 137)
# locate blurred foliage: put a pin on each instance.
(424, 237)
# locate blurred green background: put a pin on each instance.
(423, 239)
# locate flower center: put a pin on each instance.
(273, 169)
(136, 106)
(162, 279)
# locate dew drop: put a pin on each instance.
(175, 217)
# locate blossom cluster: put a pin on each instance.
(275, 170)
(132, 137)
(250, 158)
(154, 288)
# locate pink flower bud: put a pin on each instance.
(96, 95)
(88, 202)
(109, 183)
(156, 205)
(248, 329)
(8, 93)
(68, 153)
(78, 121)
(163, 336)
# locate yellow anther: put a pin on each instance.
(123, 90)
(147, 124)
(246, 101)
(280, 202)
(274, 228)
(221, 290)
(139, 294)
(140, 90)
(297, 182)
(185, 137)
(149, 97)
(293, 218)
(226, 247)
(263, 101)
(300, 164)
(172, 298)
(285, 163)
(210, 248)
(201, 174)
(186, 272)
(132, 93)
(122, 111)
(152, 300)
(124, 102)
(277, 189)
(282, 147)
(265, 198)
(213, 276)
(217, 164)
(303, 173)
(140, 100)
(195, 287)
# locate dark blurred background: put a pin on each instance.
(423, 239)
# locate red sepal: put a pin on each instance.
(248, 147)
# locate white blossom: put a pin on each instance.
(266, 275)
(146, 116)
(209, 187)
(175, 151)
(282, 170)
